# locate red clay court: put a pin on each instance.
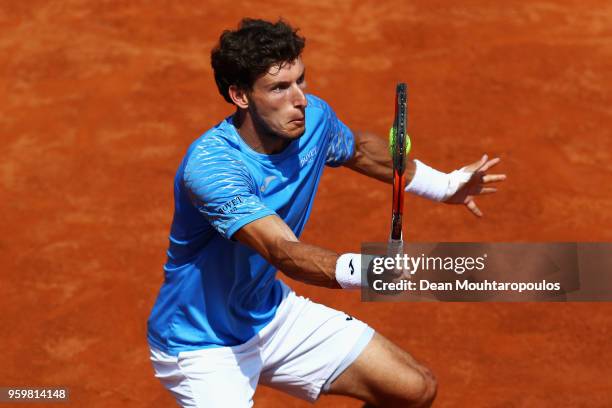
(100, 100)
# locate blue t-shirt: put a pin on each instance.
(217, 291)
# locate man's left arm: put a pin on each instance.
(371, 157)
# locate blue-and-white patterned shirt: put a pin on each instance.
(217, 291)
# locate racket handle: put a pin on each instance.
(395, 247)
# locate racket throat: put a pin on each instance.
(399, 180)
(396, 231)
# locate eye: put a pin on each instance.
(279, 87)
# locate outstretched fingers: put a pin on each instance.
(486, 164)
(487, 190)
(492, 178)
(471, 205)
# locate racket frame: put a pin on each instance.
(399, 156)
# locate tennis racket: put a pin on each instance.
(399, 146)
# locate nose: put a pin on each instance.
(299, 98)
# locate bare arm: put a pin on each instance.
(274, 240)
(372, 158)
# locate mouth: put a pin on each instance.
(299, 122)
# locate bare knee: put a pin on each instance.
(386, 376)
(419, 390)
(428, 388)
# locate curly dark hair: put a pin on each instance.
(243, 55)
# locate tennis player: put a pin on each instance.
(223, 322)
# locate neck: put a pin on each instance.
(258, 139)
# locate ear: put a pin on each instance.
(239, 96)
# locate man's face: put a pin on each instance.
(277, 102)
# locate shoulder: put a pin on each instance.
(220, 138)
(319, 113)
(215, 152)
(216, 145)
(317, 104)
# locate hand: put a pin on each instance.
(476, 185)
(382, 277)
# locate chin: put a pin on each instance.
(294, 134)
(301, 132)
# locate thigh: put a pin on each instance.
(382, 373)
(312, 347)
(215, 378)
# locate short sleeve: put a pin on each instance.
(221, 188)
(341, 140)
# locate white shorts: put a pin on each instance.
(301, 351)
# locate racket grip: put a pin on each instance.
(395, 247)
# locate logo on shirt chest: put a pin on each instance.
(308, 157)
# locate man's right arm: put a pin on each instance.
(276, 242)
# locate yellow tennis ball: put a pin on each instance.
(392, 141)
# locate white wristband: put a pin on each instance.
(348, 271)
(435, 185)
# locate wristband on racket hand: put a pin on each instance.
(349, 276)
(435, 185)
(348, 271)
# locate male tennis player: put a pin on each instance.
(223, 322)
